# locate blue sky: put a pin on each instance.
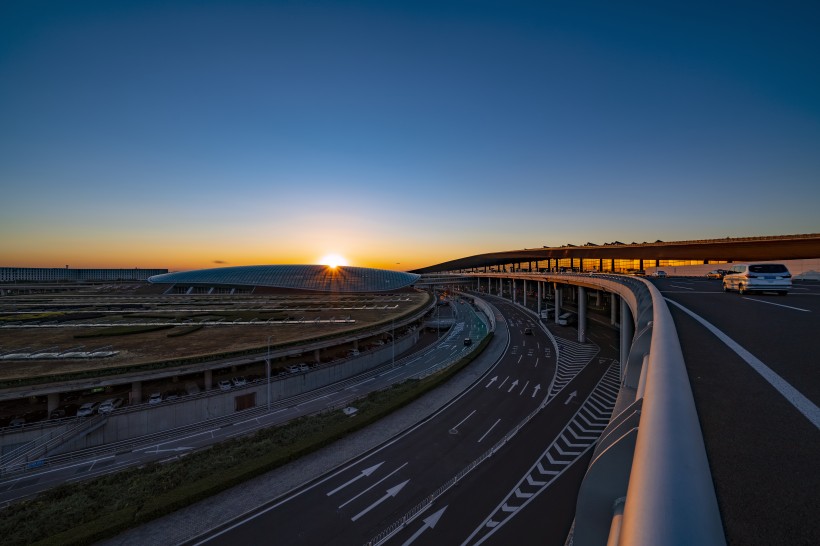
(176, 134)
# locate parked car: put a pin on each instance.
(155, 398)
(527, 331)
(293, 368)
(110, 405)
(566, 319)
(758, 277)
(239, 381)
(17, 422)
(87, 409)
(303, 368)
(66, 410)
(468, 341)
(224, 385)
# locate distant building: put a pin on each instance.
(57, 274)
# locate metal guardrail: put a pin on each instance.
(649, 481)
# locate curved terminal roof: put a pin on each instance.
(296, 277)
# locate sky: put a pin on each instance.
(398, 135)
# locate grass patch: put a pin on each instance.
(185, 331)
(86, 512)
(122, 331)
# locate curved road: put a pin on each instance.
(357, 502)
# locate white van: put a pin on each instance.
(758, 277)
(566, 319)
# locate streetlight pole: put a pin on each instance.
(267, 367)
(393, 337)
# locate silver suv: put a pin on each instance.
(760, 277)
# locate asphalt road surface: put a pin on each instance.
(560, 389)
(760, 427)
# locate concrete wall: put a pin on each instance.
(190, 410)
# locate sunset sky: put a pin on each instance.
(398, 134)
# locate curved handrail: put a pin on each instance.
(668, 489)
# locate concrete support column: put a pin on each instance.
(136, 392)
(209, 379)
(316, 356)
(627, 331)
(53, 401)
(512, 289)
(557, 302)
(500, 288)
(598, 299)
(355, 344)
(582, 314)
(613, 308)
(525, 292)
(540, 284)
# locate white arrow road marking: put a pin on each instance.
(572, 395)
(535, 390)
(492, 524)
(392, 492)
(512, 386)
(429, 523)
(491, 381)
(371, 487)
(365, 472)
(488, 431)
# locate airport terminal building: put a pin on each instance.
(58, 274)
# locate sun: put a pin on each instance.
(333, 260)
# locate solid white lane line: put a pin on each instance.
(778, 304)
(372, 486)
(800, 402)
(684, 287)
(462, 421)
(488, 431)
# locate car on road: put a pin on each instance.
(527, 331)
(661, 274)
(293, 368)
(87, 409)
(468, 341)
(155, 398)
(224, 385)
(716, 274)
(110, 405)
(239, 381)
(303, 368)
(758, 277)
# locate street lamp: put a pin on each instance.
(267, 367)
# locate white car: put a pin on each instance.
(758, 277)
(661, 274)
(155, 398)
(109, 405)
(224, 385)
(87, 409)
